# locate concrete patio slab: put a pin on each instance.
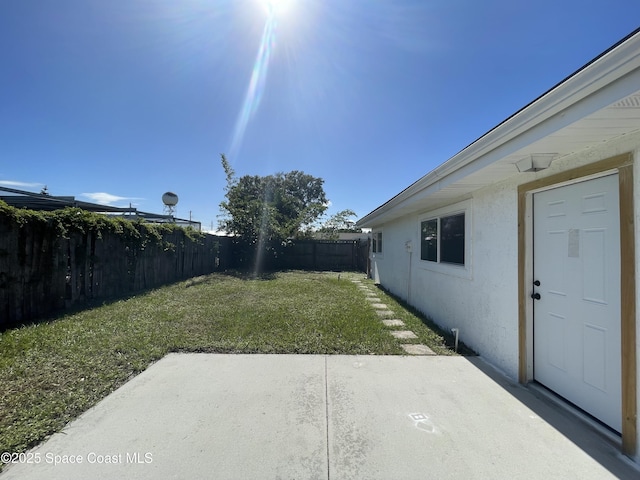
(201, 416)
(193, 416)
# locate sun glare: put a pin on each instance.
(276, 8)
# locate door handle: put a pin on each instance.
(535, 296)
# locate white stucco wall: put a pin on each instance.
(483, 301)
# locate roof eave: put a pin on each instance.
(615, 63)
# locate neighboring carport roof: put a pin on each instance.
(44, 202)
(40, 201)
(597, 103)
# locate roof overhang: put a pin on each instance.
(598, 103)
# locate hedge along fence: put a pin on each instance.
(55, 260)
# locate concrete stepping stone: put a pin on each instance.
(404, 334)
(417, 349)
(384, 313)
(379, 306)
(393, 323)
(373, 299)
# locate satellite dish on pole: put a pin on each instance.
(170, 201)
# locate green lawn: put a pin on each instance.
(53, 371)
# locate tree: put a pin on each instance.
(339, 223)
(266, 212)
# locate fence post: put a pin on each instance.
(354, 248)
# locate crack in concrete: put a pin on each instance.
(326, 403)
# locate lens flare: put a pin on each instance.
(256, 84)
(275, 12)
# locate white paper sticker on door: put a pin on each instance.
(574, 243)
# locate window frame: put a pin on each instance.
(376, 243)
(456, 269)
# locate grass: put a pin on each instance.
(427, 331)
(53, 371)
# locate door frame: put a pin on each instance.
(623, 166)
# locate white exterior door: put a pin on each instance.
(576, 248)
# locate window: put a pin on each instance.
(376, 244)
(452, 239)
(429, 240)
(442, 239)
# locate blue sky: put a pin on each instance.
(132, 98)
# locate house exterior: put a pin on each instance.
(525, 241)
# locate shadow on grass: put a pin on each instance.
(449, 338)
(272, 274)
(252, 275)
(90, 304)
(238, 274)
(84, 306)
(93, 303)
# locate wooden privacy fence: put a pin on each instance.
(338, 255)
(50, 261)
(42, 271)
